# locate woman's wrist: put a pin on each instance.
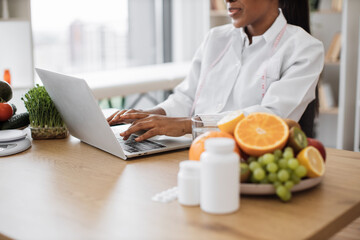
(186, 125)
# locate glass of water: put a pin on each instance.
(204, 123)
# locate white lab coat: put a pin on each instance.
(234, 75)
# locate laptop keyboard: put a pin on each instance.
(132, 146)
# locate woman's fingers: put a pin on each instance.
(133, 111)
(112, 116)
(115, 118)
(148, 134)
(119, 116)
(134, 115)
(137, 126)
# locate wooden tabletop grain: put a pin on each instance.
(65, 189)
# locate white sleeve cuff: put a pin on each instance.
(175, 108)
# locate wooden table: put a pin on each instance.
(64, 189)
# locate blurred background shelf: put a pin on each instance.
(219, 13)
(336, 21)
(218, 18)
(334, 110)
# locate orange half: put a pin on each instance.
(261, 133)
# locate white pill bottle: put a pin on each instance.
(189, 183)
(219, 181)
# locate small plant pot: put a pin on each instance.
(49, 133)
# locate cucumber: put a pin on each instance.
(17, 121)
(14, 108)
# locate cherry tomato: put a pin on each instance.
(6, 111)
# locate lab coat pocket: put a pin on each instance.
(273, 70)
(270, 70)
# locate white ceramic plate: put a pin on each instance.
(268, 189)
(11, 135)
(13, 147)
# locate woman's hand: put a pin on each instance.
(156, 125)
(117, 118)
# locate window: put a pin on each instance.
(85, 36)
(80, 36)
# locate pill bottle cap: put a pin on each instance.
(190, 167)
(220, 145)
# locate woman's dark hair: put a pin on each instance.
(297, 13)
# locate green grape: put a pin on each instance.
(283, 175)
(272, 167)
(287, 196)
(251, 159)
(282, 163)
(268, 158)
(288, 149)
(288, 154)
(272, 177)
(265, 180)
(277, 183)
(252, 179)
(261, 161)
(293, 163)
(295, 178)
(254, 165)
(281, 191)
(300, 171)
(278, 153)
(289, 184)
(259, 174)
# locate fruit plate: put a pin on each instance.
(268, 189)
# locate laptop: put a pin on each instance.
(85, 120)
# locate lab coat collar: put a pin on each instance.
(270, 34)
(275, 28)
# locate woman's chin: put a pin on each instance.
(238, 23)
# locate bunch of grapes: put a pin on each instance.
(279, 168)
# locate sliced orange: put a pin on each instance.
(312, 160)
(229, 121)
(261, 133)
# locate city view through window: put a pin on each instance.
(80, 36)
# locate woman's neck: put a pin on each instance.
(262, 25)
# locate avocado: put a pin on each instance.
(5, 91)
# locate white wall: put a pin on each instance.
(16, 44)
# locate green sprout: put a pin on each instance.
(42, 110)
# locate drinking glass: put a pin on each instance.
(204, 123)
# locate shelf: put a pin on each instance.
(218, 18)
(14, 20)
(337, 63)
(332, 111)
(218, 13)
(327, 11)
